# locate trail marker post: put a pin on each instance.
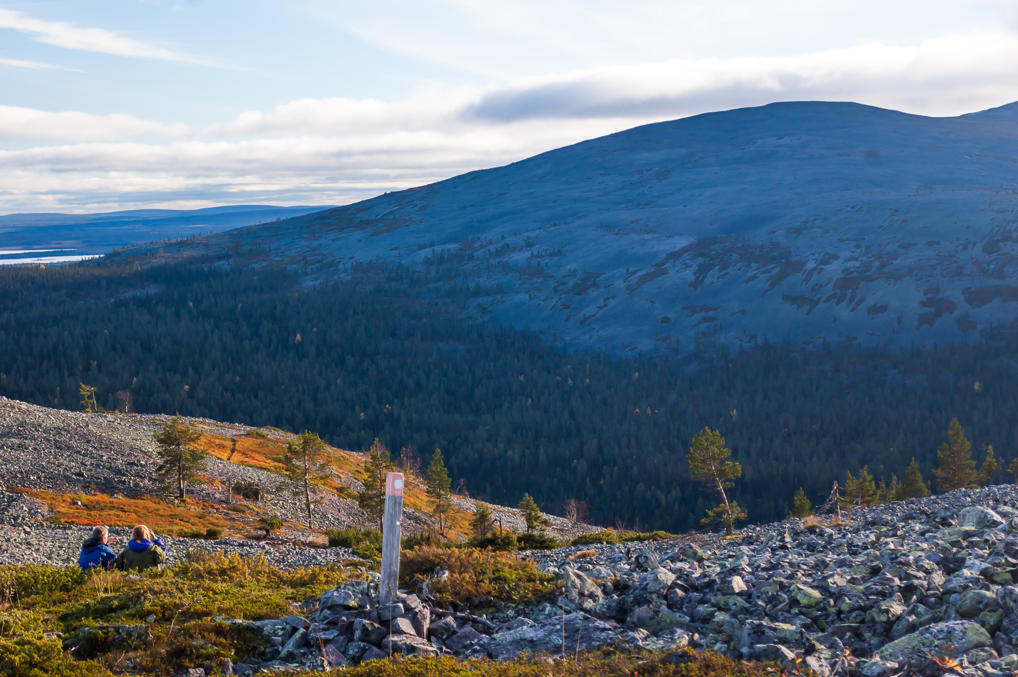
(391, 537)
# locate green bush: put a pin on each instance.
(213, 533)
(535, 541)
(610, 536)
(507, 542)
(42, 657)
(21, 582)
(365, 543)
(270, 524)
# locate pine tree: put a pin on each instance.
(858, 492)
(179, 462)
(989, 472)
(372, 497)
(481, 523)
(306, 463)
(957, 468)
(438, 485)
(87, 394)
(888, 491)
(707, 459)
(532, 514)
(913, 485)
(801, 505)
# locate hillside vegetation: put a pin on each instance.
(376, 357)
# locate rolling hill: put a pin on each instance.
(803, 221)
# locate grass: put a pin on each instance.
(184, 602)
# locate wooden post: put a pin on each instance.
(391, 537)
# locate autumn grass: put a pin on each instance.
(171, 518)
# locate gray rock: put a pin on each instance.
(655, 618)
(445, 627)
(580, 630)
(979, 517)
(402, 626)
(407, 645)
(463, 639)
(950, 638)
(580, 590)
(387, 612)
(974, 602)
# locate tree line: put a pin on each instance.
(381, 355)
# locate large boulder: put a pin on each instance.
(949, 639)
(572, 631)
(580, 590)
(979, 517)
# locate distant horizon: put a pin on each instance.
(284, 203)
(182, 105)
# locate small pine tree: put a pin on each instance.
(481, 524)
(707, 460)
(913, 485)
(801, 505)
(179, 462)
(957, 468)
(1013, 469)
(888, 491)
(306, 464)
(439, 489)
(372, 497)
(532, 514)
(87, 394)
(858, 492)
(989, 472)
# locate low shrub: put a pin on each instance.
(365, 543)
(536, 541)
(42, 657)
(270, 524)
(475, 577)
(21, 582)
(609, 536)
(249, 490)
(507, 542)
(213, 533)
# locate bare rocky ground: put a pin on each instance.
(74, 452)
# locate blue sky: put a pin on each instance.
(113, 105)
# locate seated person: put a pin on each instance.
(96, 552)
(143, 551)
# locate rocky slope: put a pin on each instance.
(807, 221)
(909, 588)
(70, 458)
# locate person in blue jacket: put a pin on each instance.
(96, 552)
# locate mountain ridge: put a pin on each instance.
(794, 221)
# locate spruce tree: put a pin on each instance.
(306, 463)
(532, 514)
(707, 460)
(990, 470)
(372, 497)
(179, 461)
(858, 492)
(801, 505)
(957, 468)
(913, 485)
(481, 523)
(439, 489)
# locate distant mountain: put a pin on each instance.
(810, 221)
(101, 233)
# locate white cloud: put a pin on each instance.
(32, 124)
(335, 150)
(32, 65)
(69, 36)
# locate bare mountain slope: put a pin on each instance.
(798, 220)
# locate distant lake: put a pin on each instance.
(12, 257)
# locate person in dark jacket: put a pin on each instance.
(143, 551)
(96, 552)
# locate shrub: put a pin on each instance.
(21, 582)
(365, 543)
(213, 533)
(36, 657)
(620, 537)
(537, 541)
(271, 524)
(505, 542)
(249, 490)
(476, 577)
(582, 554)
(424, 538)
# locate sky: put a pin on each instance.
(123, 104)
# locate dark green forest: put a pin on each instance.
(378, 356)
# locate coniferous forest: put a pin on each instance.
(378, 355)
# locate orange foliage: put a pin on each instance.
(127, 512)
